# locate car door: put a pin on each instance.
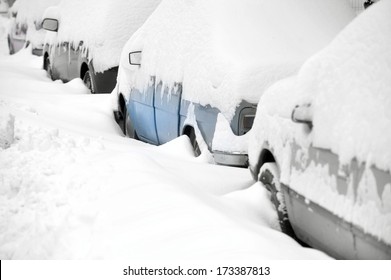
(74, 55)
(60, 61)
(142, 112)
(167, 105)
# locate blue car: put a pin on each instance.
(159, 114)
(197, 69)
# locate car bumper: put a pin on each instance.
(231, 159)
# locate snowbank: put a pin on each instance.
(6, 130)
(103, 26)
(72, 187)
(227, 51)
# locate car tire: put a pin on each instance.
(87, 80)
(269, 175)
(127, 125)
(10, 47)
(48, 68)
(194, 143)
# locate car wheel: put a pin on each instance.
(127, 125)
(10, 47)
(270, 177)
(48, 68)
(87, 80)
(194, 143)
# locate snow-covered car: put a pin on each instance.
(4, 7)
(198, 68)
(321, 143)
(25, 26)
(87, 37)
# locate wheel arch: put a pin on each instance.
(187, 129)
(83, 69)
(121, 102)
(266, 155)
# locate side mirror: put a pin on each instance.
(302, 114)
(50, 24)
(135, 58)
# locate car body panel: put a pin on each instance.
(159, 114)
(70, 63)
(167, 106)
(322, 229)
(142, 114)
(312, 217)
(59, 61)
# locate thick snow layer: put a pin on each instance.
(226, 51)
(348, 85)
(30, 11)
(103, 26)
(72, 187)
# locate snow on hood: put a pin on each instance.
(104, 26)
(227, 51)
(349, 86)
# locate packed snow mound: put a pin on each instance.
(222, 59)
(349, 86)
(102, 25)
(6, 130)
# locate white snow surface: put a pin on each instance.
(30, 11)
(103, 26)
(226, 51)
(72, 187)
(348, 85)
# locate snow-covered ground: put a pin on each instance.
(72, 187)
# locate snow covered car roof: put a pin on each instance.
(102, 25)
(349, 86)
(30, 11)
(224, 51)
